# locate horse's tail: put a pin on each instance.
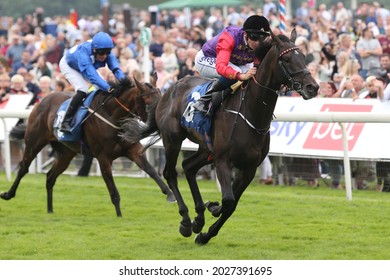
(134, 130)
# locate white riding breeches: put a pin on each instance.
(74, 77)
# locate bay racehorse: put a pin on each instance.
(240, 134)
(99, 135)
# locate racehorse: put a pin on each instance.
(99, 135)
(240, 134)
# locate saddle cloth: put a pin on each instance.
(195, 119)
(75, 133)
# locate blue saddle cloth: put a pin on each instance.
(76, 130)
(195, 119)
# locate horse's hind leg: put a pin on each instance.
(32, 148)
(230, 197)
(61, 163)
(106, 168)
(191, 166)
(136, 155)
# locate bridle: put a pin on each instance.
(295, 85)
(123, 106)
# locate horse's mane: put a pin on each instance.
(266, 45)
(122, 84)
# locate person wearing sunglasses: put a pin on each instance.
(79, 66)
(229, 56)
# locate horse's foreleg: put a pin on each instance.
(139, 158)
(106, 169)
(230, 197)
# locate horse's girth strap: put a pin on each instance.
(102, 118)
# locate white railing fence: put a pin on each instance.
(343, 119)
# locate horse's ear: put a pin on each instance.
(276, 38)
(293, 36)
(139, 85)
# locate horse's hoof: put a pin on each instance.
(201, 239)
(185, 231)
(214, 208)
(171, 198)
(197, 227)
(5, 196)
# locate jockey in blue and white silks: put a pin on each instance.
(79, 66)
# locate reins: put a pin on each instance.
(94, 112)
(295, 85)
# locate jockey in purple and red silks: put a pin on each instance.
(229, 56)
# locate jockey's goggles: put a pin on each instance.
(257, 36)
(103, 51)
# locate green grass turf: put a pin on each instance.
(270, 222)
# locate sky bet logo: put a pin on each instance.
(328, 136)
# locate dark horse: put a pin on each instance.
(101, 138)
(239, 134)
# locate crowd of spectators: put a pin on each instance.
(347, 51)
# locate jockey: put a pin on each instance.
(79, 66)
(229, 56)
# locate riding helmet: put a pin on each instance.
(102, 40)
(256, 24)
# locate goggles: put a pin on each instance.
(257, 36)
(103, 51)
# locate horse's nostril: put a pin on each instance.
(312, 88)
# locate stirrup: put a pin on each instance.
(65, 127)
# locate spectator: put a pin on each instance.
(25, 62)
(385, 66)
(266, 172)
(347, 46)
(15, 50)
(5, 83)
(369, 50)
(165, 79)
(184, 69)
(268, 6)
(45, 86)
(29, 79)
(169, 58)
(4, 68)
(326, 68)
(383, 89)
(3, 45)
(302, 13)
(327, 89)
(42, 68)
(384, 40)
(315, 46)
(352, 88)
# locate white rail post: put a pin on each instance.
(347, 166)
(7, 151)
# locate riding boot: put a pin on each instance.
(74, 104)
(202, 104)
